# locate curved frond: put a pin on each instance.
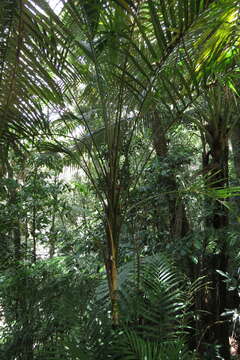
(29, 31)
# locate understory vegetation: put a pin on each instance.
(119, 180)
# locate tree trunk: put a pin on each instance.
(3, 159)
(178, 222)
(215, 165)
(112, 228)
(235, 141)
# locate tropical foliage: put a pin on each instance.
(119, 179)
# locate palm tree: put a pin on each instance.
(140, 57)
(156, 64)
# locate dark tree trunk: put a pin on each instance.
(3, 159)
(235, 141)
(178, 222)
(214, 302)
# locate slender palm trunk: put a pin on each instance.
(112, 228)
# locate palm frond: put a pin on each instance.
(133, 347)
(28, 60)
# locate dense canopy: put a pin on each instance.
(119, 179)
